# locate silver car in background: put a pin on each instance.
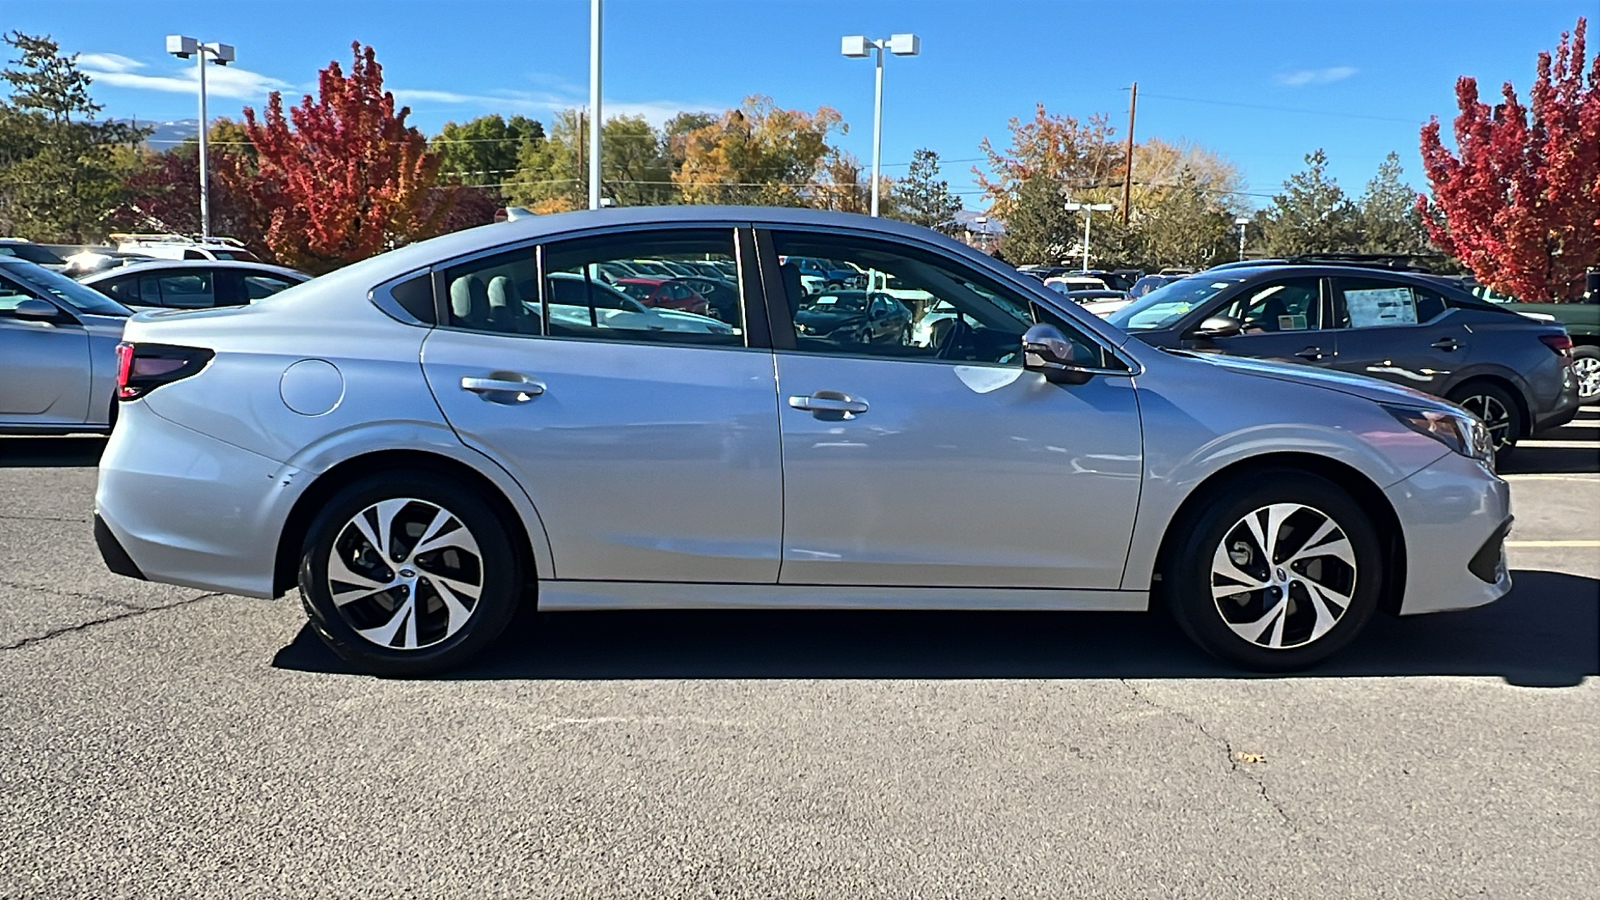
(58, 361)
(424, 440)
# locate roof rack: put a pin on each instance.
(1401, 262)
(136, 238)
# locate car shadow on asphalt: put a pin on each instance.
(51, 452)
(1546, 633)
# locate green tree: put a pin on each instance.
(1183, 224)
(1038, 227)
(553, 175)
(1312, 215)
(634, 167)
(1388, 217)
(923, 198)
(484, 150)
(60, 174)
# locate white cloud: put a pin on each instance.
(1303, 77)
(107, 62)
(221, 81)
(656, 112)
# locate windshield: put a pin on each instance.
(31, 252)
(835, 302)
(73, 294)
(1164, 306)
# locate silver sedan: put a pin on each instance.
(418, 443)
(58, 363)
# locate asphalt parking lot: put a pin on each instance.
(157, 741)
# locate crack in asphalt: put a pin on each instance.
(78, 521)
(130, 613)
(79, 595)
(1227, 747)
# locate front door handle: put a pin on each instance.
(1311, 353)
(502, 389)
(829, 404)
(1445, 344)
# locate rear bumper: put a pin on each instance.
(1454, 516)
(1565, 405)
(179, 507)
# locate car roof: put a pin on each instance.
(143, 265)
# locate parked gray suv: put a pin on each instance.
(1512, 371)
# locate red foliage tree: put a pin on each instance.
(350, 178)
(1520, 204)
(163, 194)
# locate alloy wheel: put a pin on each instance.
(1283, 576)
(1493, 414)
(1587, 371)
(405, 573)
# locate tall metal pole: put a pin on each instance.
(1087, 215)
(877, 130)
(1241, 242)
(1127, 175)
(205, 200)
(595, 117)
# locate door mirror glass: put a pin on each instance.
(1045, 349)
(1219, 326)
(36, 310)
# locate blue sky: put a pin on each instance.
(1263, 83)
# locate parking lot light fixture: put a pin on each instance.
(858, 46)
(1088, 210)
(183, 47)
(1241, 221)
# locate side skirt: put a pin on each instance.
(560, 595)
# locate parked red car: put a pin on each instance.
(664, 293)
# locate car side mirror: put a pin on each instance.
(1217, 327)
(1047, 351)
(34, 310)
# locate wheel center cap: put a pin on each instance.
(407, 573)
(1282, 575)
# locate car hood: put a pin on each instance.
(1343, 382)
(827, 318)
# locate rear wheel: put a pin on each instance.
(1496, 409)
(406, 574)
(1586, 370)
(1278, 572)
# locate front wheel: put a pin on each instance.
(406, 574)
(1278, 572)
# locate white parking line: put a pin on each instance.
(1533, 476)
(1553, 543)
(1561, 445)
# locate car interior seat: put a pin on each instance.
(469, 303)
(506, 309)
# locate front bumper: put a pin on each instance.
(1454, 515)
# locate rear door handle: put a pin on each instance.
(512, 389)
(1311, 353)
(839, 404)
(1445, 344)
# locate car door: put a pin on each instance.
(650, 453)
(946, 466)
(1399, 332)
(1281, 319)
(47, 371)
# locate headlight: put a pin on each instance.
(1460, 431)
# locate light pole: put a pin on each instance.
(857, 47)
(1088, 209)
(594, 104)
(184, 47)
(1241, 221)
(983, 231)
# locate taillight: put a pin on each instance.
(1560, 343)
(141, 368)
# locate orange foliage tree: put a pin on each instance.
(344, 176)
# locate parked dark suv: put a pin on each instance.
(1512, 371)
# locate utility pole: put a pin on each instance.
(1127, 175)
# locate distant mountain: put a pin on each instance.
(167, 134)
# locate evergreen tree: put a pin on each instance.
(1312, 215)
(924, 198)
(1389, 219)
(60, 173)
(484, 150)
(1038, 227)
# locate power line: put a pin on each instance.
(1287, 109)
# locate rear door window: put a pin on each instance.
(1374, 303)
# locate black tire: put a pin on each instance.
(498, 569)
(1586, 360)
(1475, 396)
(1188, 576)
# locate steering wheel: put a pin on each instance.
(955, 338)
